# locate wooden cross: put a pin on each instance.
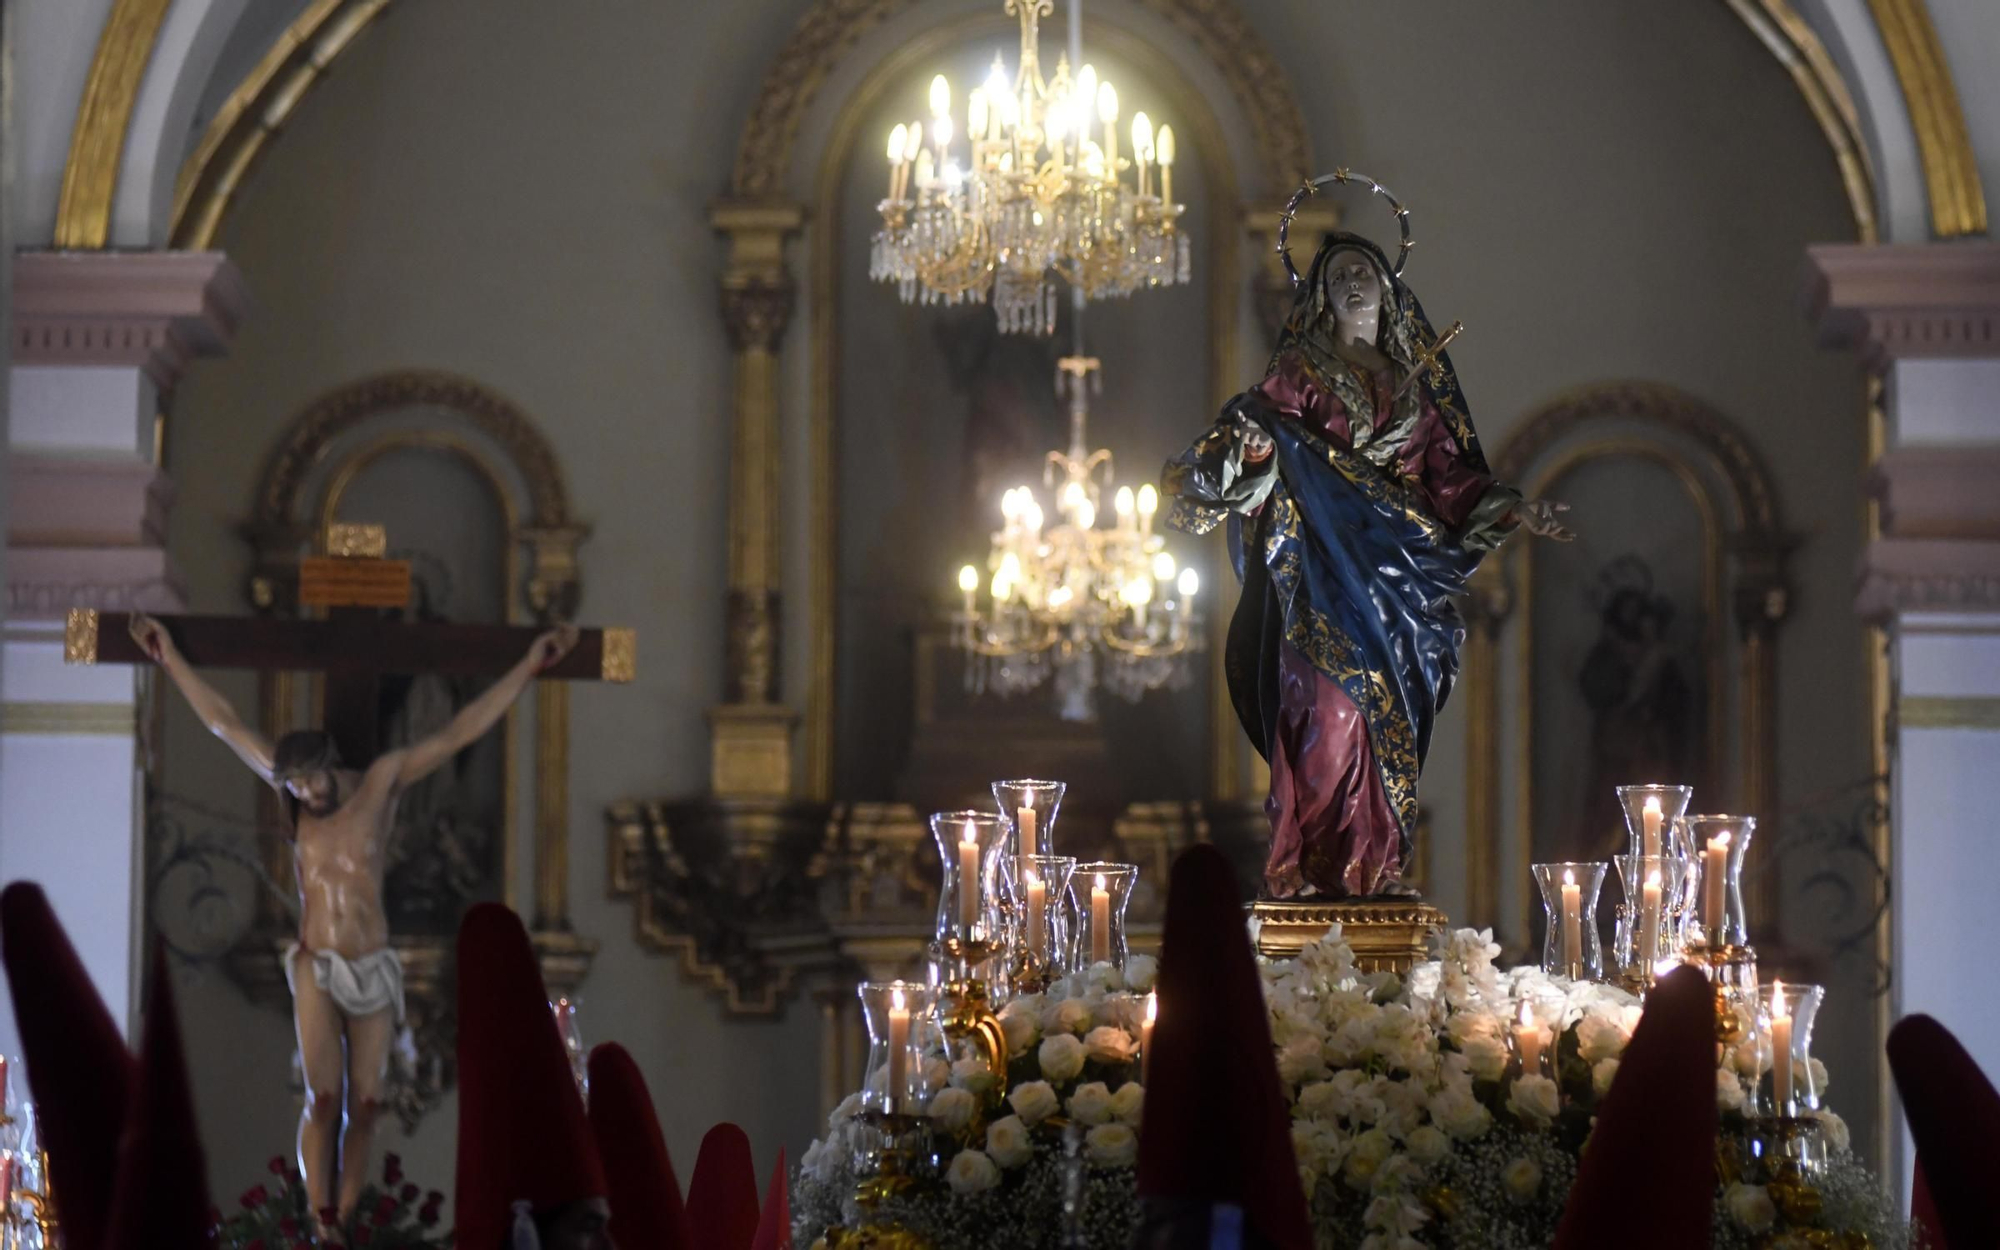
(354, 645)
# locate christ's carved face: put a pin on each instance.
(315, 791)
(1353, 289)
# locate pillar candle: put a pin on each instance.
(1146, 1037)
(1649, 919)
(1649, 825)
(1038, 902)
(1027, 825)
(1528, 1040)
(1572, 898)
(1781, 1050)
(968, 880)
(1100, 922)
(899, 1050)
(1714, 870)
(7, 1183)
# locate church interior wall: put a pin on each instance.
(523, 201)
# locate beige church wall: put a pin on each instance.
(1604, 192)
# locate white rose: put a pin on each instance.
(1427, 1145)
(1324, 1100)
(1728, 1090)
(1071, 1015)
(1111, 1146)
(849, 1107)
(1034, 1101)
(1601, 1075)
(1457, 1112)
(1750, 1206)
(1391, 1241)
(1008, 1143)
(1395, 1215)
(1022, 1030)
(1128, 1105)
(1463, 1025)
(1140, 973)
(1534, 1099)
(1090, 1104)
(1368, 1153)
(1749, 1059)
(937, 1073)
(1820, 1076)
(973, 1076)
(972, 1172)
(1301, 1060)
(1061, 1057)
(1523, 1179)
(953, 1107)
(1487, 1057)
(1834, 1129)
(1600, 1037)
(1110, 1044)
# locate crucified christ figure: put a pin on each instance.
(347, 981)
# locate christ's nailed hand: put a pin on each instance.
(151, 636)
(551, 647)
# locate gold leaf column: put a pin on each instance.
(751, 732)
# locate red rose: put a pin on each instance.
(254, 1198)
(329, 1217)
(410, 1193)
(276, 1165)
(428, 1214)
(385, 1209)
(288, 1226)
(392, 1169)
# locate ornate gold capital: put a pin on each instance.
(621, 655)
(755, 313)
(80, 636)
(751, 750)
(350, 541)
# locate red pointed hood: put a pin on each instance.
(774, 1230)
(79, 1071)
(646, 1205)
(1217, 1125)
(522, 1132)
(162, 1198)
(722, 1197)
(1954, 1116)
(1653, 1149)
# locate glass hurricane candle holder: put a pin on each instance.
(1030, 807)
(1718, 845)
(1650, 813)
(898, 1015)
(968, 919)
(1532, 1043)
(1100, 893)
(1788, 1093)
(1571, 947)
(1041, 885)
(1649, 935)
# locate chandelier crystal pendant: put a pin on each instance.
(1088, 604)
(1038, 191)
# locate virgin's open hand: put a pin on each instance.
(1538, 517)
(151, 636)
(551, 647)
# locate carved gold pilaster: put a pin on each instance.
(1762, 600)
(751, 733)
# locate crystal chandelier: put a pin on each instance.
(1036, 196)
(1091, 605)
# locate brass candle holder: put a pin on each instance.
(40, 1207)
(965, 1013)
(1732, 970)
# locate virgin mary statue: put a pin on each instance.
(1360, 502)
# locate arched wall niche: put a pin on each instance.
(1700, 473)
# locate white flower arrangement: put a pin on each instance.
(1413, 1126)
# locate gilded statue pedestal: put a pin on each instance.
(1386, 934)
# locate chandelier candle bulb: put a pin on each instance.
(1189, 584)
(899, 1050)
(1781, 1051)
(1149, 503)
(1107, 112)
(1650, 820)
(968, 880)
(899, 138)
(1715, 875)
(1572, 898)
(1529, 1041)
(1100, 922)
(1038, 903)
(1649, 919)
(968, 585)
(1164, 147)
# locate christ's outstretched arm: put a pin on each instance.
(216, 713)
(420, 759)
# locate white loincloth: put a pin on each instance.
(360, 987)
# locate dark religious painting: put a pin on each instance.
(1622, 660)
(444, 516)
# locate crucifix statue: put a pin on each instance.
(339, 793)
